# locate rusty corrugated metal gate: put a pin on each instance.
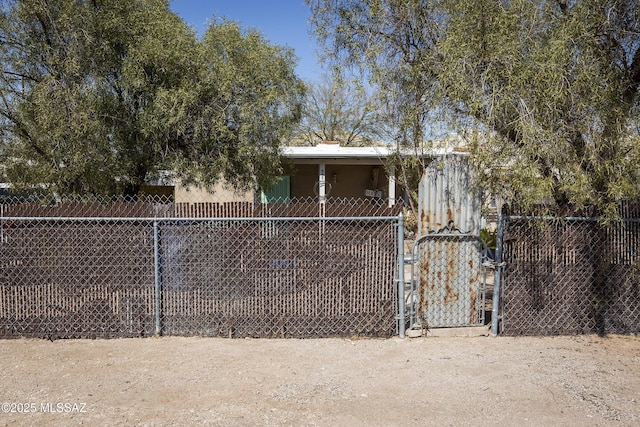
(450, 281)
(448, 285)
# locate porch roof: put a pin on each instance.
(335, 151)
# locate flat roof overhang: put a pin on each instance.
(335, 154)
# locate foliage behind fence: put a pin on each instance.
(571, 276)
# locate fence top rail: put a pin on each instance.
(199, 219)
(563, 218)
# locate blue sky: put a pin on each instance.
(282, 22)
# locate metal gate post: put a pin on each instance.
(401, 302)
(495, 309)
(157, 272)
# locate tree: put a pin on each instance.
(548, 92)
(561, 96)
(99, 96)
(339, 110)
(236, 114)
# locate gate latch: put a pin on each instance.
(493, 264)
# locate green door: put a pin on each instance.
(279, 193)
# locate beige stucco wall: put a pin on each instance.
(303, 179)
(219, 194)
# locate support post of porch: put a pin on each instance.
(392, 186)
(322, 192)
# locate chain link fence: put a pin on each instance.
(78, 268)
(570, 276)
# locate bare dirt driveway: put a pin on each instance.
(585, 380)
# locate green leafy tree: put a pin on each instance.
(558, 83)
(547, 93)
(99, 96)
(246, 103)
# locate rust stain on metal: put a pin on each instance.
(424, 282)
(452, 261)
(424, 219)
(473, 279)
(473, 298)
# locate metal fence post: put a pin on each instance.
(401, 303)
(495, 309)
(157, 272)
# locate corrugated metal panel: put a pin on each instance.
(450, 258)
(448, 197)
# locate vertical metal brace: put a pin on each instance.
(495, 309)
(158, 280)
(401, 302)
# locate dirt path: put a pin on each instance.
(584, 380)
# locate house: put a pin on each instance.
(325, 172)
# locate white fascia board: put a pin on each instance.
(337, 152)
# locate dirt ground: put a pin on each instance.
(584, 380)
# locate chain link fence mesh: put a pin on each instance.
(571, 276)
(78, 268)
